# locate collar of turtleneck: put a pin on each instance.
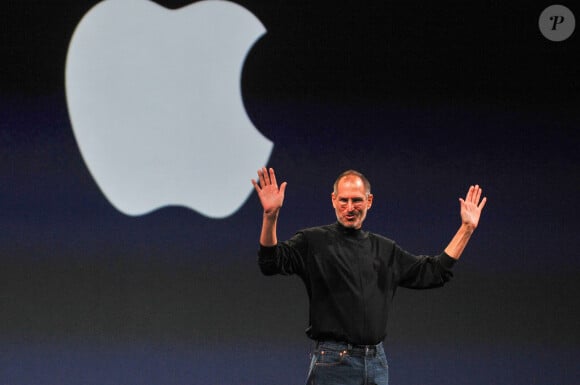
(350, 232)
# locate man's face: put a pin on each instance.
(351, 202)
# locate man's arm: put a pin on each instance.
(471, 208)
(271, 197)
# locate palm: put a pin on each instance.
(471, 207)
(271, 196)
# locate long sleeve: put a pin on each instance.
(285, 258)
(423, 272)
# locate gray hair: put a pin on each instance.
(355, 173)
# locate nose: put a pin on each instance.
(350, 205)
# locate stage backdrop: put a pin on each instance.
(129, 133)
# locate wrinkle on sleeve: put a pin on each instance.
(285, 258)
(424, 272)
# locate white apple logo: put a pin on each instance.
(154, 98)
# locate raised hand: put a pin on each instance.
(271, 196)
(471, 207)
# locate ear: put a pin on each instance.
(369, 201)
(333, 199)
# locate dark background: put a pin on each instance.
(424, 98)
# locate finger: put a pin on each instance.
(469, 194)
(273, 177)
(262, 177)
(482, 203)
(256, 186)
(266, 175)
(477, 194)
(283, 188)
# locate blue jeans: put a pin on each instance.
(335, 363)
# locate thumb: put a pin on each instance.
(283, 187)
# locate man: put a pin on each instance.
(351, 275)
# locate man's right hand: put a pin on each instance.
(271, 196)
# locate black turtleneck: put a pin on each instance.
(351, 277)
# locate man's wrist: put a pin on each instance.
(272, 215)
(467, 228)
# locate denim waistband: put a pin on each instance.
(351, 349)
